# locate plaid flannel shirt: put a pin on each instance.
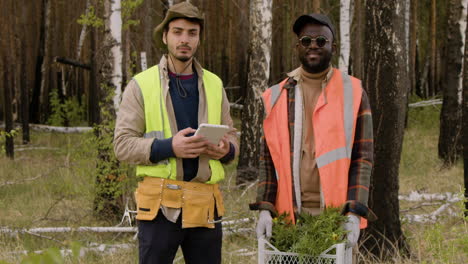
(359, 172)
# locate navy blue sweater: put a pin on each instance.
(185, 100)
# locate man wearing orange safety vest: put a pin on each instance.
(317, 149)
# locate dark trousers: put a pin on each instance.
(159, 240)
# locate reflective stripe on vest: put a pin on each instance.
(157, 120)
(336, 114)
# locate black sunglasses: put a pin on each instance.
(307, 40)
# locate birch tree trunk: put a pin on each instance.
(115, 25)
(82, 33)
(258, 75)
(386, 81)
(450, 116)
(345, 44)
(109, 178)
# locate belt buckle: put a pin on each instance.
(173, 186)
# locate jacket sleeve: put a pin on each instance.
(129, 144)
(362, 159)
(268, 183)
(227, 120)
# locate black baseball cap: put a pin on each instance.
(314, 19)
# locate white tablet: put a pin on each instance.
(213, 133)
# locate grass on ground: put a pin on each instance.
(53, 185)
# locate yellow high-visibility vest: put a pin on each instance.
(157, 120)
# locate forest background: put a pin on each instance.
(59, 60)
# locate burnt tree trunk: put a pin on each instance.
(36, 94)
(24, 96)
(357, 39)
(450, 116)
(433, 57)
(7, 98)
(413, 44)
(252, 115)
(21, 79)
(386, 81)
(465, 119)
(93, 94)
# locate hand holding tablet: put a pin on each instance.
(213, 133)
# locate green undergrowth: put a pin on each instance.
(311, 235)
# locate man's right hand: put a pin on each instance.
(265, 224)
(188, 147)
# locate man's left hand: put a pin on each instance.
(352, 226)
(218, 151)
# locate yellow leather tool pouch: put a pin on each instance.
(219, 201)
(198, 209)
(172, 195)
(148, 199)
(197, 200)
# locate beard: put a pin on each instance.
(183, 58)
(316, 67)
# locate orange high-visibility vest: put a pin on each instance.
(334, 122)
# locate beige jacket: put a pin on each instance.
(129, 144)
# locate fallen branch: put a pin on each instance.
(419, 206)
(36, 148)
(446, 200)
(60, 129)
(426, 103)
(415, 196)
(70, 229)
(99, 248)
(46, 237)
(95, 228)
(22, 181)
(26, 180)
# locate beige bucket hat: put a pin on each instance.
(181, 10)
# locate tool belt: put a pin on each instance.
(197, 200)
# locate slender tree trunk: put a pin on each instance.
(82, 34)
(45, 67)
(412, 44)
(24, 95)
(316, 6)
(40, 82)
(357, 41)
(93, 92)
(450, 116)
(386, 82)
(7, 87)
(108, 180)
(345, 44)
(433, 56)
(148, 34)
(252, 116)
(465, 116)
(20, 75)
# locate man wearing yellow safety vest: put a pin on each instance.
(178, 200)
(317, 149)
